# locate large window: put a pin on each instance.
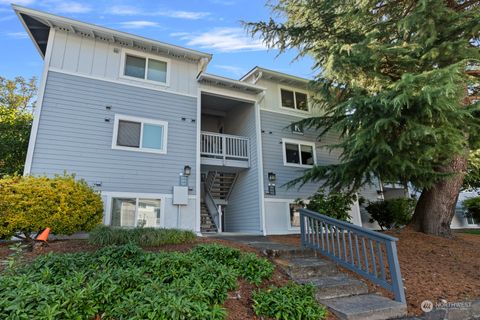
(135, 212)
(138, 134)
(145, 68)
(298, 153)
(294, 100)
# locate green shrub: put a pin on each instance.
(247, 265)
(292, 301)
(472, 206)
(30, 204)
(123, 282)
(391, 213)
(145, 237)
(334, 204)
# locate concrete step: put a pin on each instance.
(278, 250)
(335, 286)
(365, 307)
(307, 267)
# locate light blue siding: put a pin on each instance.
(243, 211)
(74, 136)
(274, 129)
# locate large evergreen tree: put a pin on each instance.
(392, 82)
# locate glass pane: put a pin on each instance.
(128, 133)
(148, 213)
(301, 100)
(294, 215)
(157, 70)
(307, 154)
(123, 212)
(287, 99)
(152, 136)
(291, 152)
(135, 67)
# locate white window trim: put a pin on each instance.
(146, 56)
(143, 121)
(137, 197)
(299, 142)
(280, 88)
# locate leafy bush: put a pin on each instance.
(146, 237)
(247, 265)
(292, 301)
(125, 282)
(472, 205)
(334, 204)
(30, 204)
(391, 213)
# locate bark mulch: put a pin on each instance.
(433, 268)
(238, 304)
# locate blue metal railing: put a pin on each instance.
(361, 250)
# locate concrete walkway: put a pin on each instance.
(346, 296)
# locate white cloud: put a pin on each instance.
(19, 2)
(189, 15)
(17, 35)
(70, 7)
(235, 71)
(224, 40)
(138, 24)
(123, 10)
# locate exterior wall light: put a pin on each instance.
(272, 177)
(187, 171)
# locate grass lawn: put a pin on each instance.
(196, 280)
(472, 231)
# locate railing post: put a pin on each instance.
(302, 229)
(394, 265)
(224, 149)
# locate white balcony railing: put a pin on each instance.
(225, 148)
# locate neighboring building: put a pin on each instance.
(167, 144)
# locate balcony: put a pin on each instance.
(224, 150)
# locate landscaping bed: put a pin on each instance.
(433, 268)
(238, 302)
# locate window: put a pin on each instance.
(298, 153)
(145, 68)
(295, 215)
(294, 100)
(135, 212)
(137, 134)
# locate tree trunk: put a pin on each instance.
(436, 205)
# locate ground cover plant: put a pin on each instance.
(125, 282)
(292, 301)
(145, 237)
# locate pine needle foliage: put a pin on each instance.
(391, 82)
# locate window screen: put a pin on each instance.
(157, 70)
(135, 67)
(287, 99)
(291, 152)
(129, 133)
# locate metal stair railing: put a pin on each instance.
(356, 248)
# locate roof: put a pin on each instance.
(229, 83)
(281, 77)
(38, 23)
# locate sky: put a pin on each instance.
(212, 26)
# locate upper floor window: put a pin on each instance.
(294, 99)
(145, 68)
(298, 153)
(138, 134)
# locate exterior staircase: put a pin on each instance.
(344, 295)
(221, 184)
(218, 186)
(207, 225)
